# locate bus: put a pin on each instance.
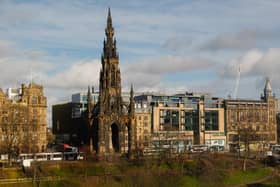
(55, 156)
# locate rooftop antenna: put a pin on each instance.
(237, 82)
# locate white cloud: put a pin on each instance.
(78, 76)
(149, 74)
(255, 65)
(169, 64)
(245, 64)
(18, 65)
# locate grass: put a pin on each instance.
(240, 177)
(11, 173)
(206, 171)
(189, 181)
(63, 183)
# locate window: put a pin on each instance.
(257, 116)
(34, 100)
(169, 119)
(211, 120)
(251, 116)
(264, 116)
(232, 116)
(191, 120)
(242, 116)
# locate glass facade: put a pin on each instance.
(169, 119)
(211, 120)
(191, 120)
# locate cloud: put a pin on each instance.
(149, 74)
(78, 76)
(255, 65)
(18, 64)
(169, 64)
(269, 63)
(6, 48)
(177, 43)
(245, 64)
(244, 39)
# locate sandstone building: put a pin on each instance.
(23, 120)
(258, 115)
(181, 120)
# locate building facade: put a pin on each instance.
(258, 115)
(184, 119)
(80, 102)
(143, 129)
(23, 120)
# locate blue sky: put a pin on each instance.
(167, 45)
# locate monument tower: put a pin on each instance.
(114, 122)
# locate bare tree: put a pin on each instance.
(29, 142)
(246, 135)
(11, 126)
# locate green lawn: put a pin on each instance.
(208, 172)
(241, 177)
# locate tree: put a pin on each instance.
(50, 137)
(29, 136)
(246, 135)
(11, 126)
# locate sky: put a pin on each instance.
(169, 46)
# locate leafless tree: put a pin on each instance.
(11, 126)
(246, 135)
(29, 137)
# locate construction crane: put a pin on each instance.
(237, 82)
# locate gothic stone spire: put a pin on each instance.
(111, 119)
(109, 49)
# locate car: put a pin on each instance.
(199, 148)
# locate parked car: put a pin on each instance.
(199, 148)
